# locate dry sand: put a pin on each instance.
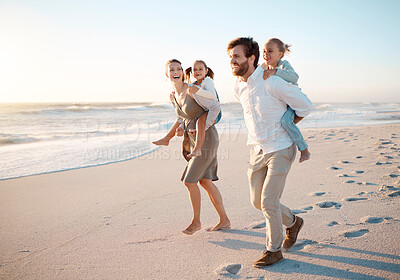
(124, 220)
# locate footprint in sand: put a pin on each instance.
(334, 168)
(358, 157)
(257, 225)
(393, 175)
(344, 161)
(350, 181)
(371, 220)
(356, 233)
(381, 163)
(229, 270)
(358, 171)
(384, 142)
(354, 198)
(333, 223)
(296, 211)
(394, 194)
(317, 194)
(343, 175)
(385, 188)
(308, 208)
(366, 184)
(329, 204)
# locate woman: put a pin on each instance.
(201, 169)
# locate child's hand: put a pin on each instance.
(192, 132)
(179, 131)
(171, 97)
(268, 73)
(264, 66)
(193, 89)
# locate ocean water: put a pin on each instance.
(43, 138)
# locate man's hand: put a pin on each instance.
(268, 73)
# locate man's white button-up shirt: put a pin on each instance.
(264, 102)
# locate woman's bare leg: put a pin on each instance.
(195, 201)
(200, 135)
(216, 200)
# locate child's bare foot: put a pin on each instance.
(192, 228)
(304, 155)
(195, 153)
(221, 225)
(161, 142)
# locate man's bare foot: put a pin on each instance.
(195, 153)
(221, 225)
(161, 142)
(192, 228)
(304, 155)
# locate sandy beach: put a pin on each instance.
(124, 220)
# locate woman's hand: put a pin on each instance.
(268, 73)
(192, 132)
(179, 131)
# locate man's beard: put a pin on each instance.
(242, 69)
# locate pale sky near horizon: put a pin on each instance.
(115, 51)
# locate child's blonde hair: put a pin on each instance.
(188, 71)
(285, 48)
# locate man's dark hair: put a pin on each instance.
(250, 47)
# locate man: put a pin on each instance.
(272, 150)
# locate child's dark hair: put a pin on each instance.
(250, 47)
(188, 71)
(285, 48)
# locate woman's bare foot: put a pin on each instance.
(161, 142)
(192, 228)
(221, 225)
(304, 155)
(195, 153)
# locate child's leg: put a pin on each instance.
(171, 133)
(295, 133)
(200, 135)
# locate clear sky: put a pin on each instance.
(110, 51)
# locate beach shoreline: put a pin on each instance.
(123, 220)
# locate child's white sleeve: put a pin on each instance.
(286, 72)
(207, 89)
(211, 105)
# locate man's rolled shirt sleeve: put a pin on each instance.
(291, 95)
